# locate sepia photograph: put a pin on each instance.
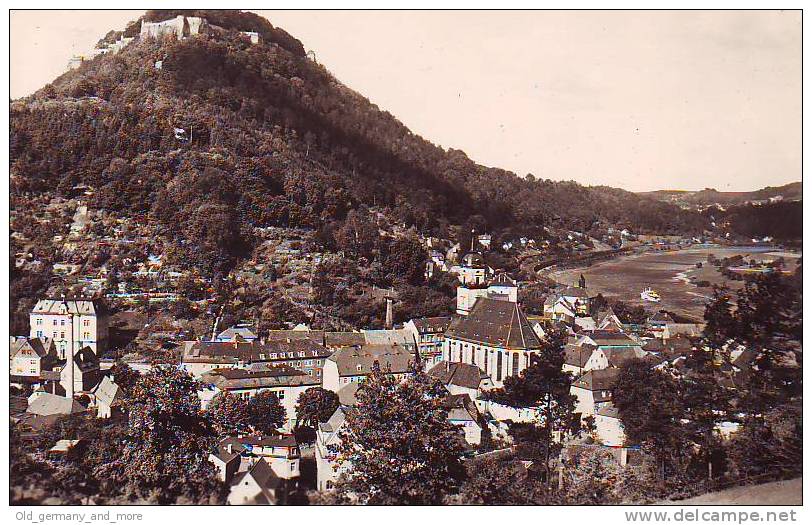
(449, 258)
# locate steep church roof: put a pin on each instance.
(495, 323)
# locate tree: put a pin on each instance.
(315, 405)
(124, 376)
(545, 387)
(228, 414)
(265, 412)
(399, 444)
(769, 449)
(501, 480)
(164, 455)
(593, 475)
(649, 403)
(769, 320)
(706, 395)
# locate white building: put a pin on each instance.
(29, 357)
(593, 390)
(496, 337)
(328, 440)
(180, 26)
(287, 384)
(354, 364)
(73, 324)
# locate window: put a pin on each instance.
(515, 371)
(486, 361)
(62, 322)
(39, 333)
(499, 366)
(55, 323)
(86, 322)
(39, 322)
(87, 336)
(280, 394)
(62, 335)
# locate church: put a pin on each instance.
(492, 332)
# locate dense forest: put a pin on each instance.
(271, 138)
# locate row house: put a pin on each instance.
(199, 357)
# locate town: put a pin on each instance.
(194, 324)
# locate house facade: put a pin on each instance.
(429, 332)
(354, 364)
(73, 324)
(287, 384)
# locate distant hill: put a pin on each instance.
(269, 137)
(709, 196)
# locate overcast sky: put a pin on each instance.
(640, 100)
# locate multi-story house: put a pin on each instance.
(429, 332)
(286, 383)
(352, 365)
(73, 324)
(29, 357)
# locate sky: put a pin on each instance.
(640, 100)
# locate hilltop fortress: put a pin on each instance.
(180, 26)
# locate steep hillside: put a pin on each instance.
(269, 137)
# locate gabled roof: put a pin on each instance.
(458, 374)
(237, 331)
(598, 379)
(316, 336)
(347, 394)
(577, 356)
(265, 440)
(344, 339)
(609, 338)
(71, 306)
(240, 379)
(617, 356)
(51, 404)
(86, 359)
(495, 323)
(431, 325)
(222, 453)
(107, 392)
(263, 475)
(354, 361)
(40, 346)
(400, 337)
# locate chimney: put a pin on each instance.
(229, 448)
(389, 321)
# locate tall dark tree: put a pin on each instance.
(399, 444)
(707, 393)
(544, 387)
(650, 405)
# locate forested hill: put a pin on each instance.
(273, 139)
